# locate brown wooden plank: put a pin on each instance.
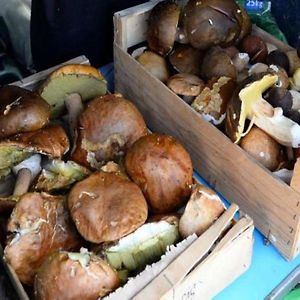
(272, 204)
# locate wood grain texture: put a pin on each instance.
(274, 206)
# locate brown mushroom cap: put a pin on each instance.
(51, 141)
(212, 22)
(262, 147)
(106, 207)
(246, 26)
(162, 168)
(186, 59)
(84, 80)
(185, 84)
(74, 276)
(40, 225)
(203, 208)
(155, 64)
(217, 63)
(162, 27)
(21, 111)
(107, 127)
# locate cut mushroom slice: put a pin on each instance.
(21, 111)
(69, 85)
(57, 175)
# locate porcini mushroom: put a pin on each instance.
(21, 111)
(106, 207)
(107, 127)
(39, 225)
(155, 64)
(186, 85)
(202, 209)
(162, 27)
(163, 169)
(71, 275)
(212, 22)
(68, 86)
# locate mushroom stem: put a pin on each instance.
(74, 106)
(26, 171)
(23, 182)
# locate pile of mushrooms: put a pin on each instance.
(204, 52)
(89, 197)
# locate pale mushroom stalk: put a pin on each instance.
(26, 172)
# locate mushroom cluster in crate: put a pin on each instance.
(206, 53)
(89, 197)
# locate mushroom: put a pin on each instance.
(240, 61)
(255, 47)
(202, 209)
(106, 207)
(283, 78)
(247, 103)
(246, 25)
(280, 97)
(155, 64)
(68, 86)
(262, 148)
(294, 61)
(279, 59)
(186, 85)
(258, 68)
(69, 275)
(57, 174)
(212, 102)
(186, 59)
(217, 63)
(295, 81)
(162, 27)
(163, 169)
(39, 225)
(211, 23)
(21, 111)
(143, 246)
(107, 127)
(17, 153)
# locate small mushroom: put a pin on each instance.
(262, 148)
(162, 27)
(240, 61)
(106, 207)
(280, 97)
(21, 111)
(212, 101)
(39, 225)
(71, 275)
(212, 22)
(107, 127)
(255, 47)
(68, 86)
(296, 99)
(186, 59)
(217, 63)
(283, 79)
(279, 59)
(202, 209)
(186, 85)
(258, 68)
(155, 64)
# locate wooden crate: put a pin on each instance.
(200, 276)
(273, 205)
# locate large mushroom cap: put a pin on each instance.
(107, 128)
(162, 168)
(209, 23)
(69, 79)
(106, 207)
(162, 27)
(39, 225)
(74, 276)
(21, 111)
